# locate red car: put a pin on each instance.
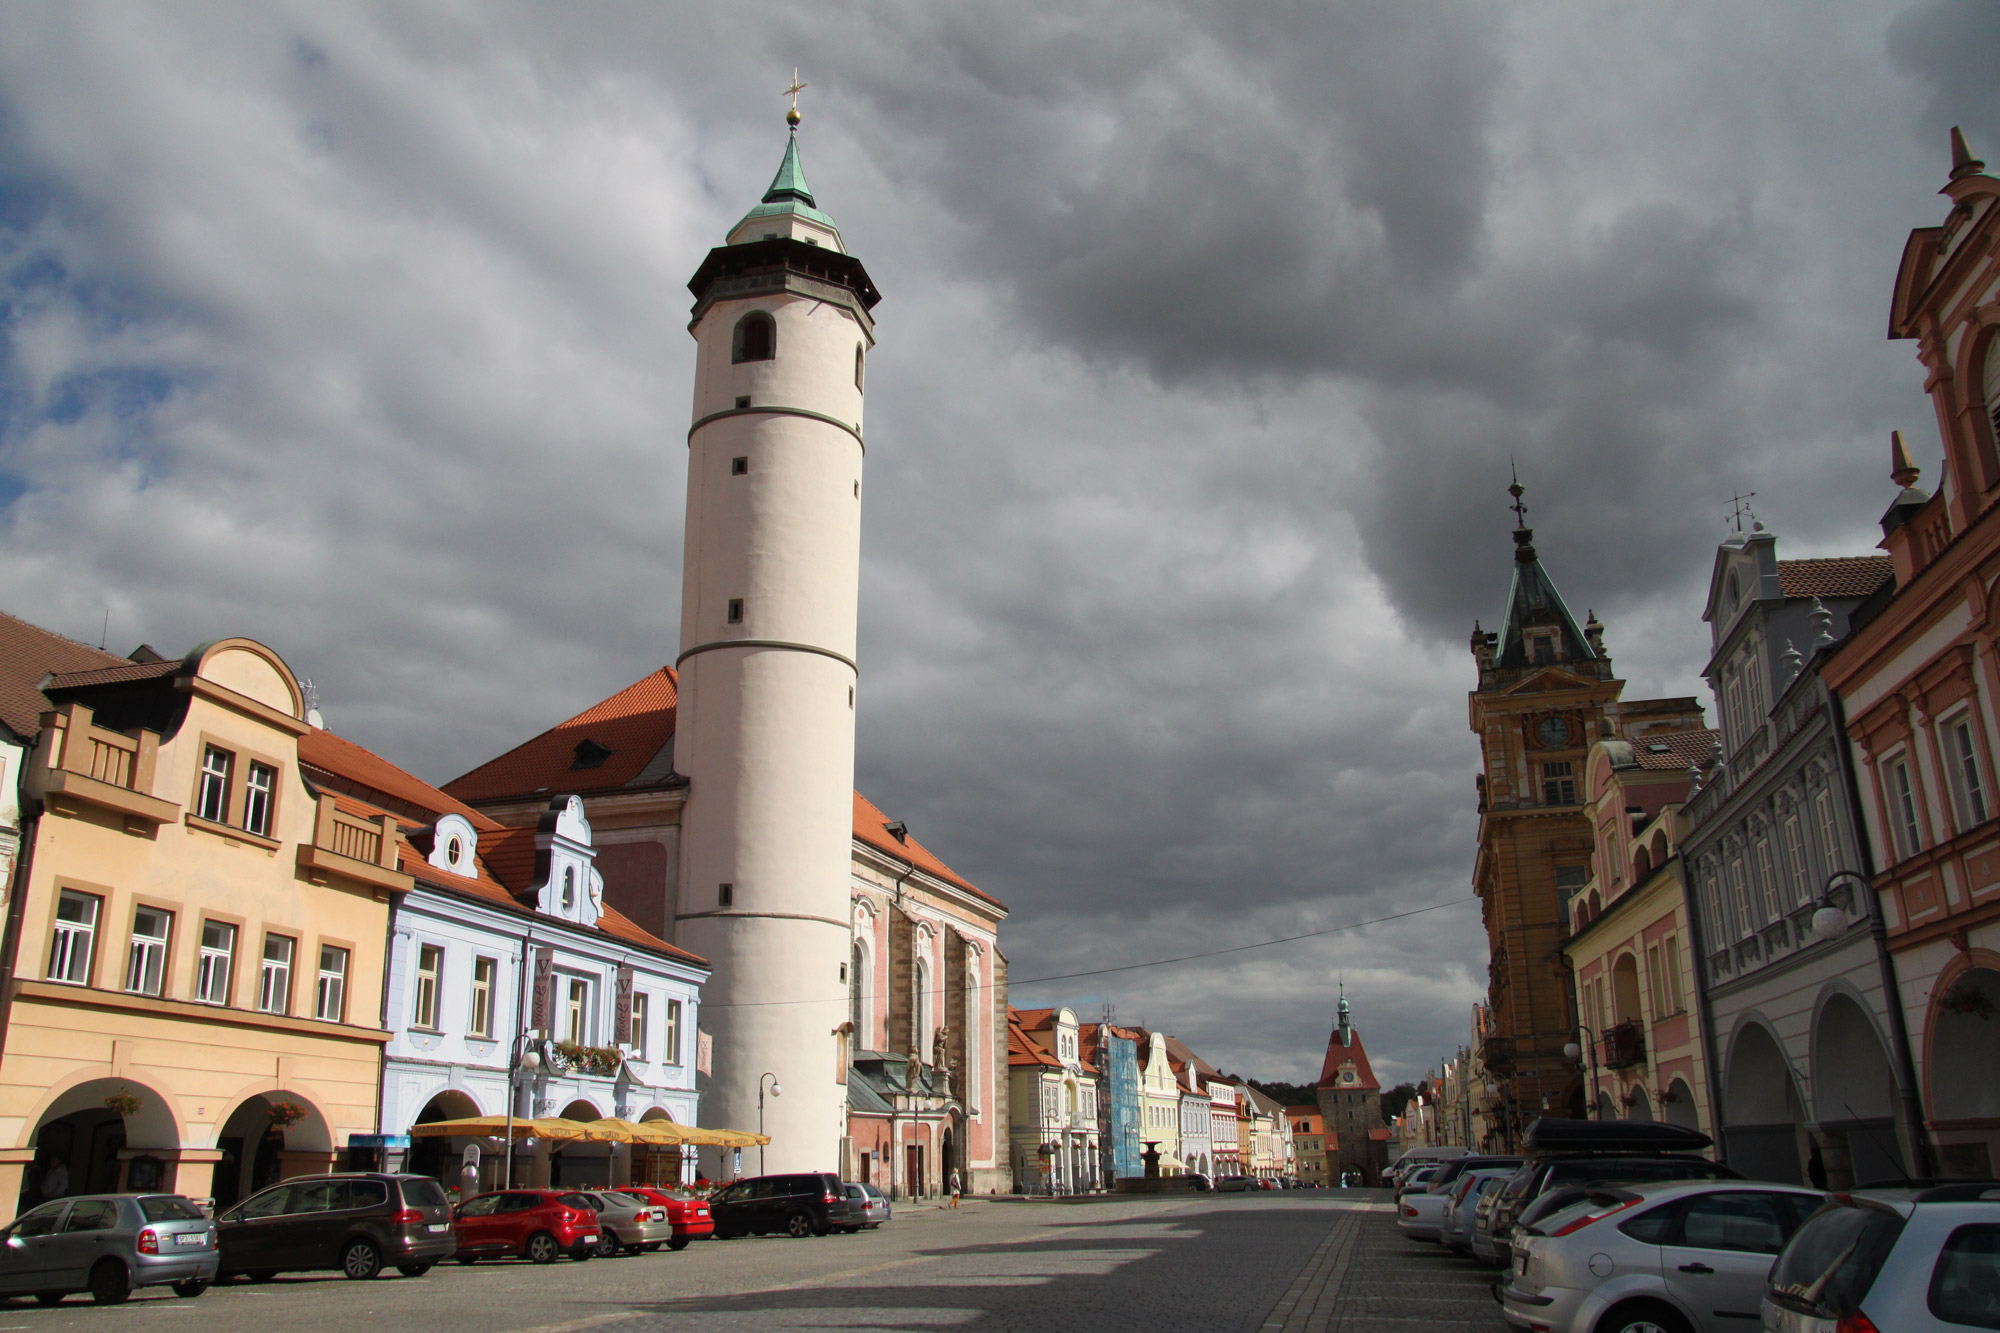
(538, 1225)
(689, 1216)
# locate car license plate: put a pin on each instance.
(190, 1238)
(440, 1226)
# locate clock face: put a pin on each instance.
(1554, 732)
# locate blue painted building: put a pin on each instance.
(1115, 1052)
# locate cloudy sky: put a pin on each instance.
(1208, 333)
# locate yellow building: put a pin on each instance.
(1640, 1045)
(196, 951)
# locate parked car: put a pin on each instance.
(626, 1223)
(1200, 1183)
(807, 1204)
(1656, 1256)
(1416, 1178)
(1232, 1184)
(356, 1222)
(1448, 1173)
(874, 1204)
(1456, 1233)
(108, 1244)
(690, 1217)
(1911, 1258)
(534, 1224)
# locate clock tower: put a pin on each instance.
(1546, 691)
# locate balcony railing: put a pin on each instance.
(1624, 1045)
(83, 764)
(355, 847)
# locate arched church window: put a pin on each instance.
(920, 1009)
(756, 338)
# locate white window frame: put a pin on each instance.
(1899, 794)
(673, 1051)
(642, 1005)
(330, 990)
(146, 957)
(73, 941)
(260, 790)
(485, 976)
(1795, 858)
(215, 962)
(1767, 870)
(1739, 894)
(1670, 961)
(1961, 765)
(274, 977)
(576, 1011)
(1829, 830)
(428, 984)
(212, 802)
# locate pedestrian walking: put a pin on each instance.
(954, 1187)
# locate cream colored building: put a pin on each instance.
(1160, 1104)
(198, 950)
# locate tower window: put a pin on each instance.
(1558, 784)
(859, 360)
(743, 401)
(725, 895)
(739, 467)
(736, 610)
(756, 338)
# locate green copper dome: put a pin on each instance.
(789, 195)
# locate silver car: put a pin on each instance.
(1466, 1194)
(108, 1244)
(1915, 1259)
(1420, 1214)
(1654, 1257)
(874, 1204)
(627, 1223)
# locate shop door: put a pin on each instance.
(913, 1170)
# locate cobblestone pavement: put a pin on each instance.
(1269, 1263)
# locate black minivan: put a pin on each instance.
(798, 1205)
(355, 1222)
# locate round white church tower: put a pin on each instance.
(765, 733)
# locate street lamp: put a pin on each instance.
(1573, 1050)
(522, 1056)
(1829, 920)
(775, 1090)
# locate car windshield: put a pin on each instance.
(1833, 1260)
(168, 1208)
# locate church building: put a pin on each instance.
(857, 1006)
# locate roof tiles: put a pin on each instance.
(28, 653)
(1834, 576)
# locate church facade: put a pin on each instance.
(857, 1007)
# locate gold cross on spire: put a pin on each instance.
(798, 86)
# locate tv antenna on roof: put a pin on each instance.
(1740, 509)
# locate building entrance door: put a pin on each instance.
(913, 1170)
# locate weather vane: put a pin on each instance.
(1515, 489)
(1740, 509)
(798, 86)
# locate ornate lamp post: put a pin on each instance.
(522, 1056)
(775, 1090)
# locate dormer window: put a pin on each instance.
(589, 754)
(1542, 646)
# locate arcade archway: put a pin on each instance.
(1854, 1096)
(267, 1138)
(1766, 1120)
(93, 1136)
(1963, 1070)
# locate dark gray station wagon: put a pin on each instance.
(356, 1223)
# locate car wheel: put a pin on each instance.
(263, 1275)
(584, 1251)
(720, 1234)
(190, 1289)
(678, 1243)
(360, 1260)
(1644, 1318)
(798, 1226)
(608, 1245)
(649, 1247)
(466, 1258)
(414, 1270)
(542, 1248)
(49, 1297)
(110, 1282)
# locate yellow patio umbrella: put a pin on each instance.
(483, 1126)
(723, 1138)
(614, 1130)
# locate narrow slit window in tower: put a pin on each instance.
(725, 895)
(736, 610)
(739, 467)
(742, 402)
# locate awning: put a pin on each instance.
(494, 1126)
(610, 1130)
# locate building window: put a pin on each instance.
(641, 1011)
(430, 971)
(146, 967)
(258, 788)
(725, 895)
(756, 338)
(673, 1051)
(1903, 808)
(1768, 873)
(483, 970)
(1670, 973)
(576, 1012)
(1795, 860)
(735, 612)
(218, 953)
(1829, 832)
(74, 938)
(212, 803)
(860, 361)
(1968, 794)
(274, 983)
(1739, 889)
(569, 889)
(1558, 783)
(739, 467)
(331, 1002)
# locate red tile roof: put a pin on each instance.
(341, 757)
(114, 675)
(635, 724)
(28, 653)
(1834, 576)
(1682, 749)
(1337, 1055)
(1021, 1048)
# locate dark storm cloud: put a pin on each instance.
(1209, 332)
